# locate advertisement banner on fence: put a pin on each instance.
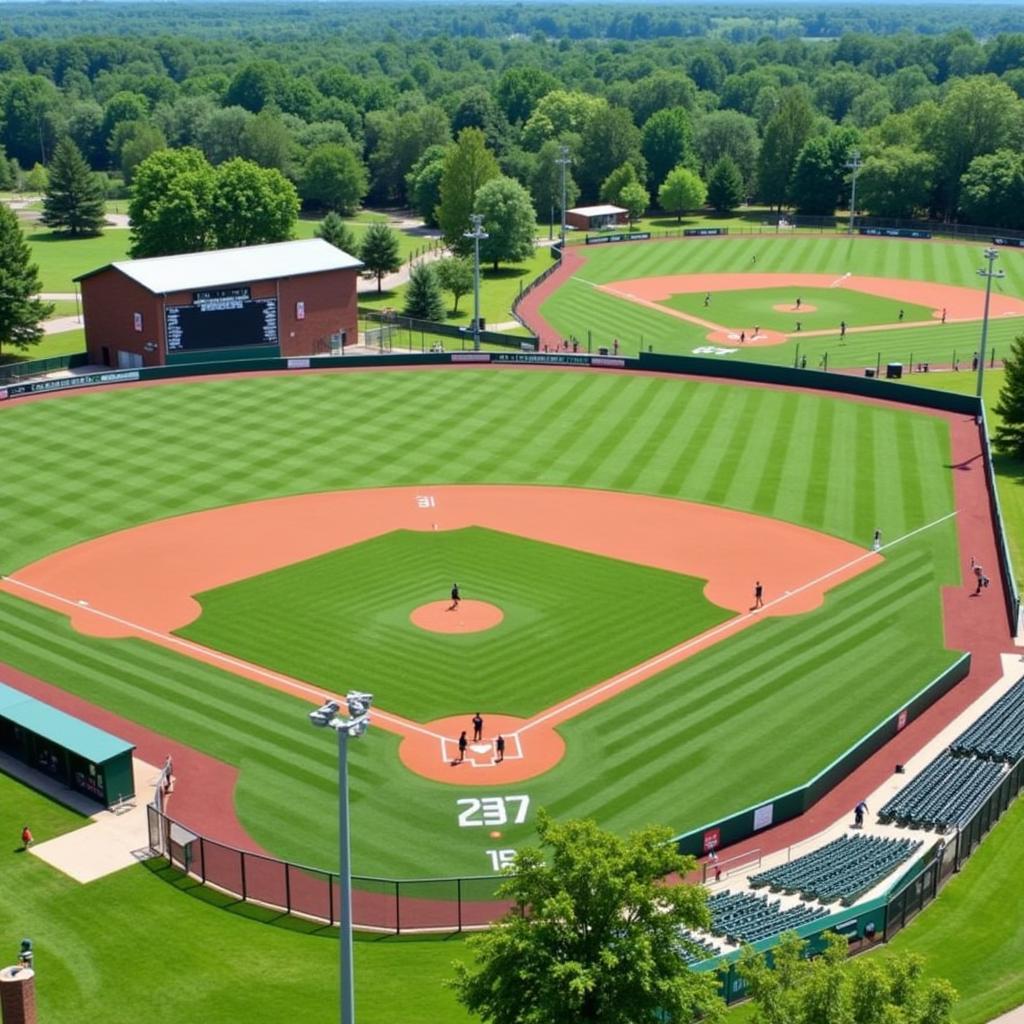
(712, 839)
(633, 236)
(555, 359)
(763, 816)
(471, 357)
(85, 380)
(895, 233)
(703, 232)
(1018, 242)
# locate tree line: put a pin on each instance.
(938, 120)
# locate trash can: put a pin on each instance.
(894, 371)
(869, 371)
(603, 350)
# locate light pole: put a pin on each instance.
(991, 255)
(564, 161)
(477, 234)
(854, 164)
(354, 726)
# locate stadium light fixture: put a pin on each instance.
(327, 717)
(854, 164)
(991, 254)
(563, 160)
(477, 234)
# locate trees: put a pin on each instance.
(546, 182)
(251, 205)
(682, 190)
(635, 198)
(379, 251)
(423, 298)
(334, 178)
(74, 196)
(667, 142)
(819, 176)
(784, 137)
(992, 189)
(509, 221)
(1009, 437)
(181, 204)
(455, 275)
(20, 313)
(612, 186)
(726, 190)
(600, 942)
(829, 990)
(468, 164)
(334, 230)
(170, 204)
(609, 141)
(423, 184)
(895, 182)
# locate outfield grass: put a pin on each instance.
(578, 307)
(690, 745)
(145, 944)
(742, 309)
(351, 607)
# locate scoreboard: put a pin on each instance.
(224, 318)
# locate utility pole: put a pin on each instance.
(991, 254)
(564, 160)
(854, 165)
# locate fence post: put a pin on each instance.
(288, 886)
(398, 909)
(245, 890)
(202, 859)
(878, 366)
(458, 900)
(330, 898)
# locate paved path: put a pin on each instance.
(60, 324)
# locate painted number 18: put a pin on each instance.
(492, 810)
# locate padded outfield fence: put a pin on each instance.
(390, 905)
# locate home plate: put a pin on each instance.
(480, 748)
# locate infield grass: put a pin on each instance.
(578, 307)
(691, 744)
(571, 620)
(743, 309)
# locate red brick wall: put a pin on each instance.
(109, 302)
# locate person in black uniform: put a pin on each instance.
(478, 728)
(499, 744)
(455, 598)
(463, 743)
(758, 595)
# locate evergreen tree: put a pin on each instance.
(74, 198)
(20, 313)
(1009, 437)
(334, 230)
(423, 298)
(725, 185)
(379, 251)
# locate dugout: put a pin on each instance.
(594, 218)
(82, 757)
(263, 301)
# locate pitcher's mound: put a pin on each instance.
(468, 617)
(790, 307)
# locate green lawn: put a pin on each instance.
(51, 345)
(144, 944)
(409, 242)
(743, 309)
(578, 307)
(679, 749)
(60, 259)
(352, 607)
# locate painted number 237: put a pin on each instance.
(492, 810)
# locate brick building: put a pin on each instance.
(283, 299)
(594, 218)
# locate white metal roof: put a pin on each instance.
(597, 211)
(164, 274)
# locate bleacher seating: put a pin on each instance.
(842, 870)
(746, 917)
(998, 735)
(945, 794)
(693, 949)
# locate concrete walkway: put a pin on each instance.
(111, 841)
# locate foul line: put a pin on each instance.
(211, 654)
(674, 653)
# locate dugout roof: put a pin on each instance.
(163, 275)
(60, 729)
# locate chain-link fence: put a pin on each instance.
(379, 904)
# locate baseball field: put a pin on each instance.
(651, 295)
(291, 528)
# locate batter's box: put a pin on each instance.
(482, 753)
